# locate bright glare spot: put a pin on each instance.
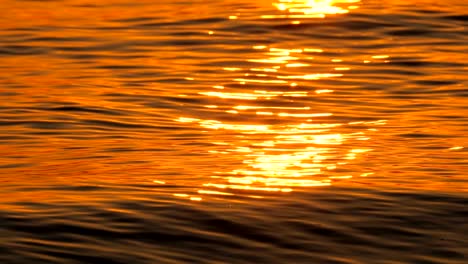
(281, 7)
(360, 150)
(341, 177)
(231, 69)
(187, 120)
(380, 56)
(211, 106)
(323, 91)
(264, 113)
(295, 65)
(455, 148)
(313, 50)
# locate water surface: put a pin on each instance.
(289, 131)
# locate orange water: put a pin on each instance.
(277, 105)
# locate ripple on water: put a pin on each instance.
(233, 132)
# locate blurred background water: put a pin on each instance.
(270, 131)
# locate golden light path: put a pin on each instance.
(302, 146)
(300, 9)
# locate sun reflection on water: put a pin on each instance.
(299, 9)
(288, 156)
(285, 142)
